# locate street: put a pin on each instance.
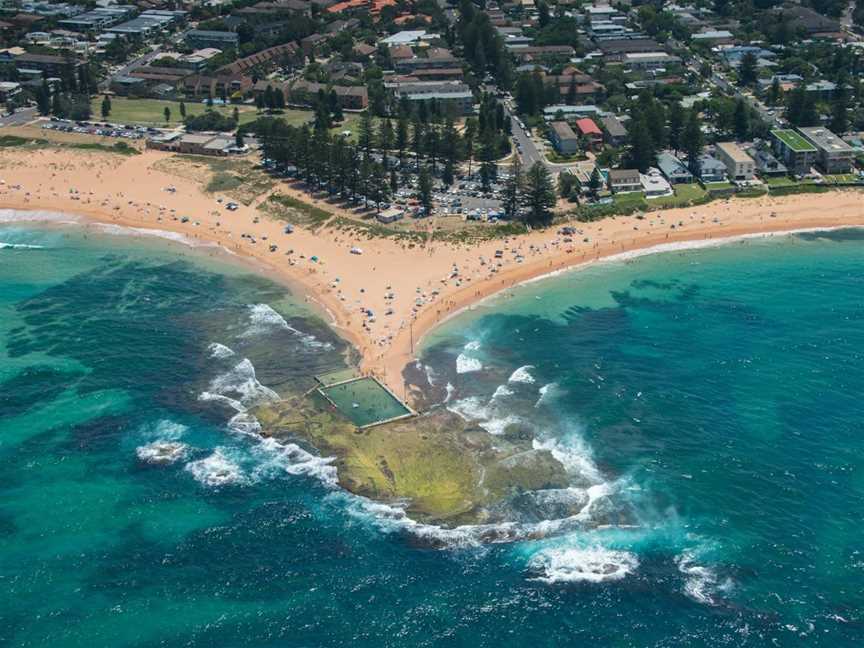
(19, 117)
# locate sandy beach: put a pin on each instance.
(408, 291)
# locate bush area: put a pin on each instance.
(210, 121)
(295, 211)
(13, 141)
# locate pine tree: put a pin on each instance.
(167, 113)
(488, 168)
(642, 152)
(238, 139)
(539, 194)
(676, 125)
(839, 108)
(692, 141)
(776, 93)
(43, 99)
(366, 133)
(595, 183)
(182, 110)
(742, 120)
(513, 189)
(236, 115)
(424, 190)
(57, 108)
(747, 71)
(106, 107)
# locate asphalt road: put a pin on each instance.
(19, 118)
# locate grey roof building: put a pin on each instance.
(673, 169)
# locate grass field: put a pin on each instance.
(151, 112)
(685, 194)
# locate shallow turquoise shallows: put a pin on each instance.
(706, 403)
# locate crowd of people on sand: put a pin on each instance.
(466, 273)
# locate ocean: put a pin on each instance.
(705, 404)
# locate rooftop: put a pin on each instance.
(793, 140)
(733, 152)
(826, 140)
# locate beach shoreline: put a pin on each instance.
(388, 299)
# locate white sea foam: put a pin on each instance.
(20, 246)
(431, 377)
(470, 409)
(502, 391)
(218, 469)
(18, 216)
(590, 564)
(547, 394)
(473, 345)
(263, 319)
(572, 452)
(701, 583)
(162, 452)
(450, 391)
(242, 383)
(274, 457)
(176, 237)
(466, 364)
(498, 425)
(219, 351)
(522, 375)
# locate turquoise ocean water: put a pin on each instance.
(707, 404)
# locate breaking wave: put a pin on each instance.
(522, 375)
(162, 452)
(217, 469)
(701, 583)
(263, 319)
(219, 351)
(20, 246)
(594, 564)
(466, 363)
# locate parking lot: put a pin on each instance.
(120, 131)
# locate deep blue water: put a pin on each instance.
(706, 402)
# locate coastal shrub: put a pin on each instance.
(8, 141)
(222, 181)
(210, 121)
(798, 189)
(295, 211)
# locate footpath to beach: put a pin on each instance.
(408, 290)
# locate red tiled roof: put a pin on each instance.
(587, 126)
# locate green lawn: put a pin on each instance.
(718, 185)
(842, 178)
(151, 112)
(631, 199)
(779, 181)
(684, 195)
(350, 123)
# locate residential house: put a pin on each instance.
(739, 166)
(648, 61)
(654, 185)
(304, 93)
(766, 164)
(451, 96)
(711, 169)
(564, 138)
(833, 155)
(675, 170)
(590, 132)
(616, 132)
(624, 180)
(797, 153)
(203, 38)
